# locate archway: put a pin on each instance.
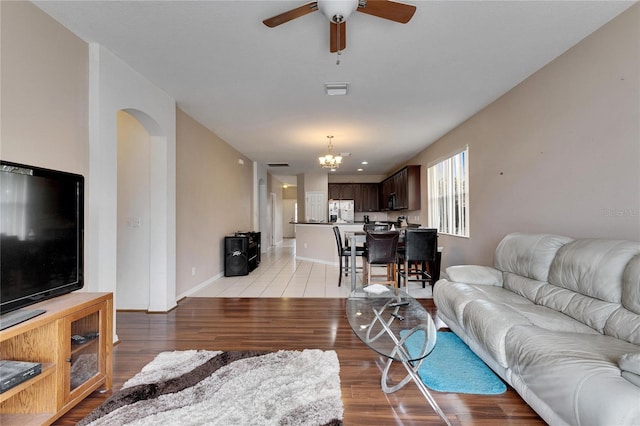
(155, 191)
(133, 177)
(114, 87)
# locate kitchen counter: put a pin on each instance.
(316, 242)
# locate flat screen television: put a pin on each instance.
(41, 235)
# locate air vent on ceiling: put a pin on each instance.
(336, 89)
(278, 164)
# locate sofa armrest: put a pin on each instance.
(475, 274)
(630, 366)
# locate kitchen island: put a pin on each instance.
(315, 241)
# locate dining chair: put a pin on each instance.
(381, 249)
(344, 252)
(417, 255)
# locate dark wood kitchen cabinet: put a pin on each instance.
(334, 191)
(400, 182)
(365, 195)
(369, 197)
(342, 191)
(404, 187)
(386, 189)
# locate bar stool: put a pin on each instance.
(381, 249)
(344, 252)
(417, 255)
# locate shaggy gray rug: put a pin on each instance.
(229, 388)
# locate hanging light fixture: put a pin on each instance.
(329, 161)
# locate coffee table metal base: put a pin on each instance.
(411, 366)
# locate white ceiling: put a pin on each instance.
(262, 89)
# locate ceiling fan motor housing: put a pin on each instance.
(337, 11)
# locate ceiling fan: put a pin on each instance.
(339, 10)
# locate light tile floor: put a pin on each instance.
(281, 275)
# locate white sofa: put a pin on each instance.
(559, 320)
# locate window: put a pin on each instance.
(448, 194)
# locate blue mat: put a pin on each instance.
(453, 367)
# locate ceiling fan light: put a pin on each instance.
(337, 10)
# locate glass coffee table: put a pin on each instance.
(386, 320)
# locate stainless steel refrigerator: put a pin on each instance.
(341, 211)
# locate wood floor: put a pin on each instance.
(295, 324)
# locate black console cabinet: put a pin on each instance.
(242, 253)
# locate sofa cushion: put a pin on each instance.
(474, 274)
(576, 374)
(593, 267)
(525, 287)
(631, 377)
(630, 362)
(630, 366)
(488, 322)
(490, 312)
(552, 320)
(624, 322)
(586, 283)
(631, 285)
(452, 298)
(529, 255)
(587, 310)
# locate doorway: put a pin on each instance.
(133, 193)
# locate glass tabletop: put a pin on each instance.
(391, 322)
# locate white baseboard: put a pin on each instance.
(199, 286)
(324, 262)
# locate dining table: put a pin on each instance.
(360, 237)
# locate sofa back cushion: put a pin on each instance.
(528, 255)
(523, 286)
(631, 285)
(586, 282)
(593, 267)
(586, 309)
(624, 322)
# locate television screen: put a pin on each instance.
(41, 234)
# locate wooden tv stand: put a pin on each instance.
(70, 371)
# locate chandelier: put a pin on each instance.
(329, 161)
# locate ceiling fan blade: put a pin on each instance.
(291, 14)
(337, 36)
(398, 12)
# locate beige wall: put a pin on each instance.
(213, 199)
(276, 212)
(290, 193)
(289, 203)
(44, 90)
(560, 153)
